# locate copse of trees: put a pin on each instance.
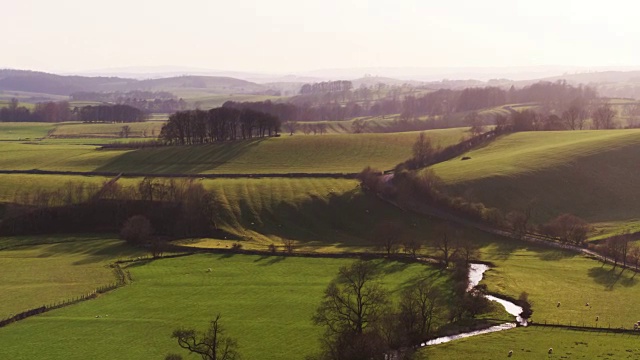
(219, 124)
(110, 114)
(60, 111)
(43, 112)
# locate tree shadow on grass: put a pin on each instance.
(188, 159)
(555, 254)
(609, 278)
(273, 260)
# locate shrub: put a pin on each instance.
(136, 230)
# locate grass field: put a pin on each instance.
(12, 183)
(265, 302)
(144, 129)
(24, 131)
(592, 174)
(298, 153)
(551, 276)
(534, 343)
(56, 269)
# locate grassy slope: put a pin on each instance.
(534, 343)
(11, 183)
(552, 276)
(265, 302)
(58, 269)
(23, 131)
(298, 153)
(592, 174)
(326, 153)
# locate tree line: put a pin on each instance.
(216, 125)
(61, 111)
(344, 103)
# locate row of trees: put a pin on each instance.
(120, 96)
(574, 118)
(554, 96)
(61, 111)
(220, 124)
(43, 112)
(110, 114)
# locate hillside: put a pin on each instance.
(592, 174)
(40, 82)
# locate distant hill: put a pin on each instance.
(40, 82)
(374, 80)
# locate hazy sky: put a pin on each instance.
(298, 35)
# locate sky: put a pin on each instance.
(282, 36)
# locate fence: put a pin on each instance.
(122, 278)
(582, 326)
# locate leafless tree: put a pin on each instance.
(387, 236)
(603, 117)
(445, 243)
(212, 344)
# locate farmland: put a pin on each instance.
(586, 173)
(534, 343)
(262, 299)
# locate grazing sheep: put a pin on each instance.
(558, 304)
(597, 318)
(510, 353)
(209, 270)
(587, 304)
(550, 351)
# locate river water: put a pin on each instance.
(476, 272)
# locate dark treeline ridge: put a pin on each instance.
(80, 207)
(147, 101)
(342, 103)
(61, 111)
(219, 124)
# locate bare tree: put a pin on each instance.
(289, 245)
(387, 236)
(125, 131)
(422, 150)
(358, 126)
(569, 228)
(353, 301)
(603, 117)
(419, 305)
(445, 243)
(212, 344)
(291, 126)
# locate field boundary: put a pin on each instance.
(179, 175)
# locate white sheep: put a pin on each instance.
(550, 351)
(209, 270)
(510, 353)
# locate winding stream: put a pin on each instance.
(476, 271)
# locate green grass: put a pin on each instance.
(17, 156)
(265, 302)
(92, 130)
(24, 131)
(59, 268)
(534, 343)
(10, 184)
(320, 153)
(587, 173)
(298, 153)
(551, 276)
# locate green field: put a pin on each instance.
(551, 276)
(24, 131)
(59, 268)
(266, 303)
(587, 173)
(299, 153)
(286, 154)
(146, 129)
(534, 343)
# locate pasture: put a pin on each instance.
(146, 129)
(266, 302)
(552, 276)
(24, 131)
(41, 270)
(591, 174)
(533, 343)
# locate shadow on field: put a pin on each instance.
(187, 159)
(610, 277)
(556, 254)
(93, 251)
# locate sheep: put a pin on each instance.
(558, 304)
(550, 351)
(510, 353)
(597, 318)
(209, 270)
(587, 304)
